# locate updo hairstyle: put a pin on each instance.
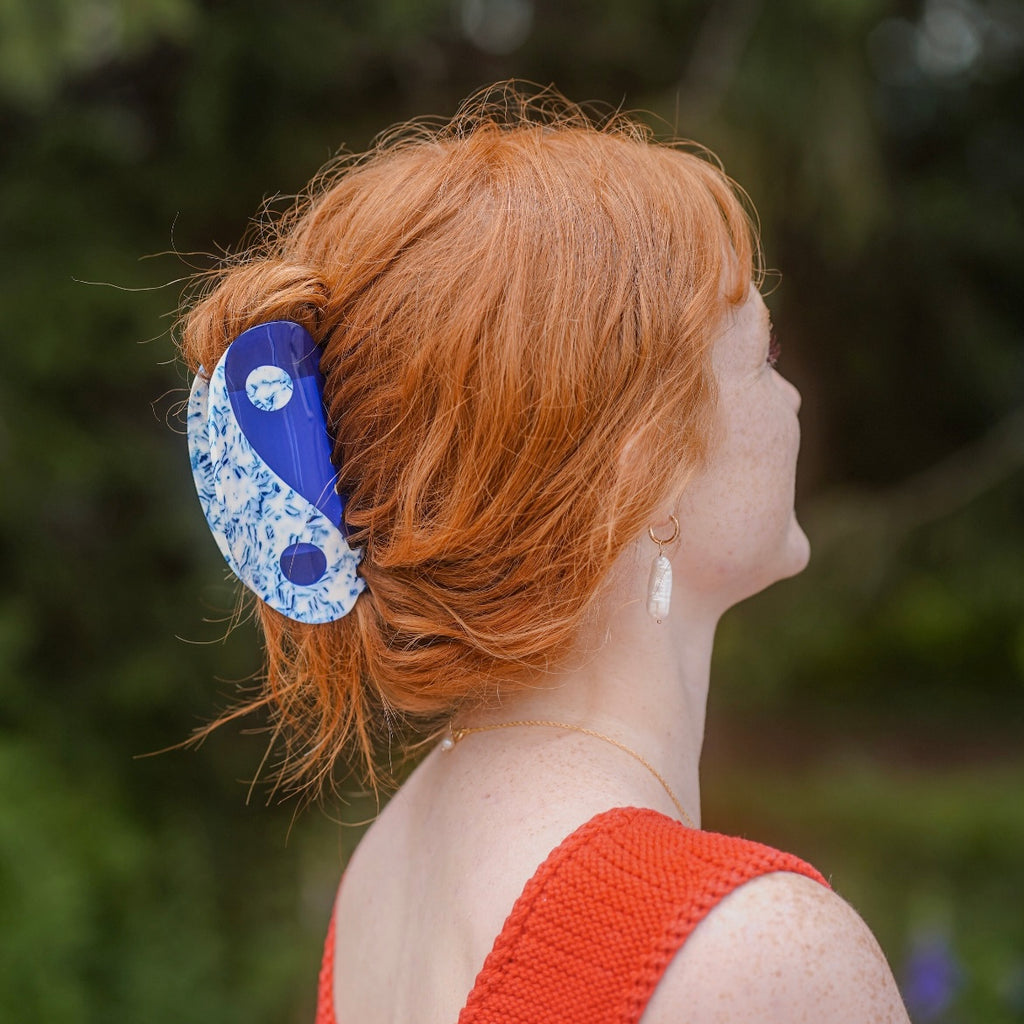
(516, 311)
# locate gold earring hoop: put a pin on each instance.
(657, 540)
(659, 584)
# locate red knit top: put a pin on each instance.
(596, 926)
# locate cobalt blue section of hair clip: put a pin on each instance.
(273, 379)
(261, 460)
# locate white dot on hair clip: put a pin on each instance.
(269, 388)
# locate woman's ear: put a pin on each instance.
(635, 460)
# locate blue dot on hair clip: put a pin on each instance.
(303, 564)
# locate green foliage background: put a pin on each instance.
(867, 715)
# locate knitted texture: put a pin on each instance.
(598, 923)
(325, 988)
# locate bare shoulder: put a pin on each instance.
(781, 949)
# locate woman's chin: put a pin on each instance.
(798, 550)
(790, 559)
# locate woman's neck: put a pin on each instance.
(636, 681)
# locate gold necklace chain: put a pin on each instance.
(453, 735)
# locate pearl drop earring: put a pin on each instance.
(659, 584)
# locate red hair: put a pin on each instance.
(508, 305)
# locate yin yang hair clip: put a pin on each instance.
(261, 460)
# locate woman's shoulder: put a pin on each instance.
(779, 949)
(745, 932)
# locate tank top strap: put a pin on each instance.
(598, 923)
(325, 987)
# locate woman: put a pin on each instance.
(562, 450)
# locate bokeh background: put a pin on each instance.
(867, 715)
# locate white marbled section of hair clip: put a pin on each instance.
(255, 516)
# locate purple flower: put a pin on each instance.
(932, 976)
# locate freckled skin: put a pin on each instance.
(779, 950)
(741, 508)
